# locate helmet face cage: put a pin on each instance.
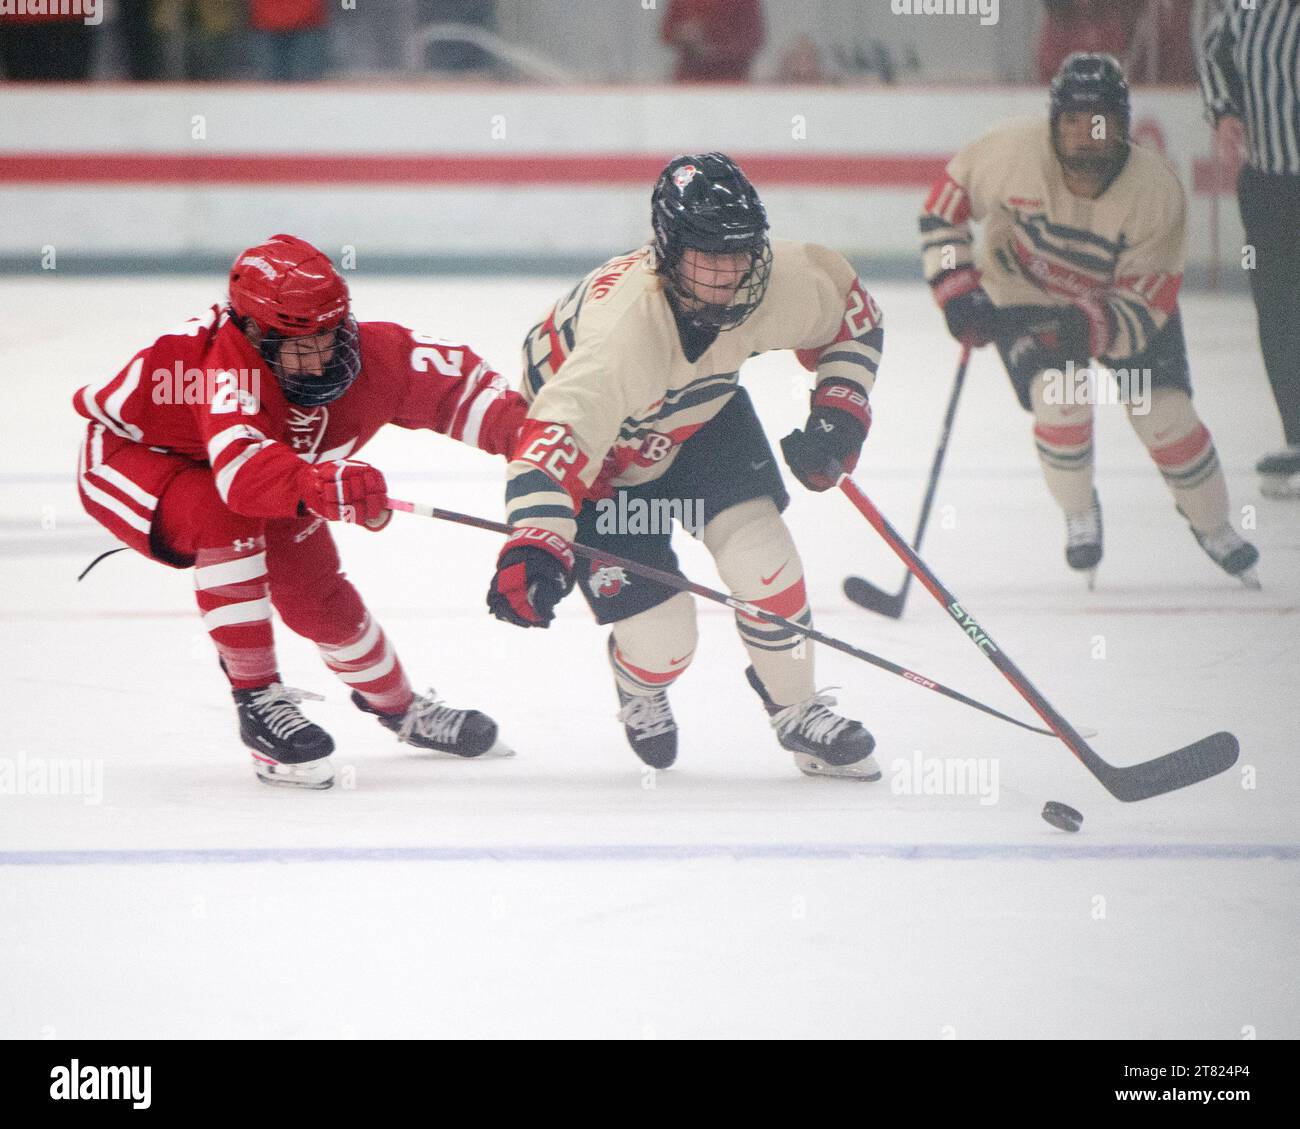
(327, 363)
(1095, 84)
(706, 204)
(686, 280)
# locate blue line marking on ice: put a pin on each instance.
(655, 852)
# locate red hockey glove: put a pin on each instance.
(534, 573)
(346, 491)
(967, 308)
(832, 438)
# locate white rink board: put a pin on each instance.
(588, 215)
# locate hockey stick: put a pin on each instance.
(681, 584)
(863, 592)
(1188, 765)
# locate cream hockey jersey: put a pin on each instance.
(613, 396)
(1118, 258)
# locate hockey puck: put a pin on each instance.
(1062, 816)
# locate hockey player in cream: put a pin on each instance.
(1081, 257)
(633, 383)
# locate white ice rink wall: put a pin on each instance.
(500, 176)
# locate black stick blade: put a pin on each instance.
(872, 598)
(1189, 765)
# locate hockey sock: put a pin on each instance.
(1063, 436)
(1181, 446)
(757, 560)
(367, 662)
(231, 589)
(653, 647)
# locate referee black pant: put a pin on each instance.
(1270, 210)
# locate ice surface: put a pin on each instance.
(564, 892)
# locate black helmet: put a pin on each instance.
(706, 203)
(1093, 83)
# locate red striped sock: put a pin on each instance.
(369, 665)
(231, 589)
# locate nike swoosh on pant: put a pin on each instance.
(768, 579)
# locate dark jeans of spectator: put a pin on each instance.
(294, 56)
(45, 52)
(1270, 211)
(140, 40)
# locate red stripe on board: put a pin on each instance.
(602, 169)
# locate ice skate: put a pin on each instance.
(823, 742)
(1083, 540)
(1280, 473)
(287, 749)
(1231, 552)
(648, 722)
(428, 724)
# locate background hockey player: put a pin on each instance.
(1082, 256)
(237, 473)
(633, 379)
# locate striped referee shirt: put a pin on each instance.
(1251, 70)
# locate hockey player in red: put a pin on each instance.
(228, 444)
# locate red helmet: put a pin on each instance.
(288, 288)
(287, 285)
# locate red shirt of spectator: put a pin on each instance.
(287, 15)
(716, 40)
(1083, 25)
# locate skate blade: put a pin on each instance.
(499, 750)
(1091, 579)
(866, 769)
(1250, 580)
(316, 775)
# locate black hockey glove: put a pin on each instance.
(967, 308)
(1042, 338)
(534, 573)
(830, 442)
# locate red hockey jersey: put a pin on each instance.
(205, 393)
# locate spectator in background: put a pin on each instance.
(715, 40)
(294, 38)
(137, 26)
(44, 48)
(801, 64)
(200, 37)
(1104, 26)
(1161, 48)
